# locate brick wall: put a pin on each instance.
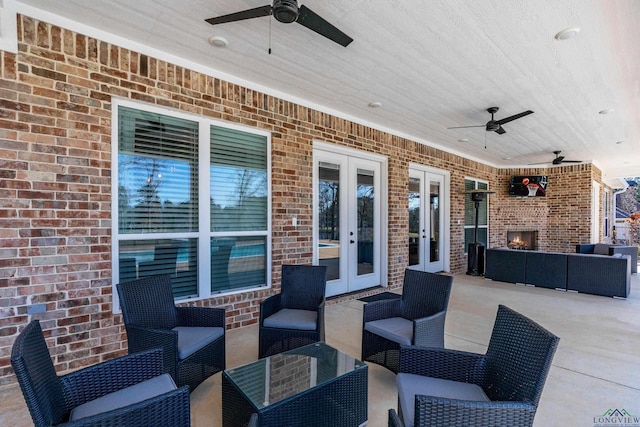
(55, 170)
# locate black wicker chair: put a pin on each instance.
(438, 387)
(417, 318)
(294, 317)
(128, 391)
(193, 338)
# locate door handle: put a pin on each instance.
(352, 241)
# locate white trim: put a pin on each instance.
(8, 26)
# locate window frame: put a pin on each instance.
(467, 199)
(606, 217)
(204, 233)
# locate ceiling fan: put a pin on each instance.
(288, 11)
(559, 160)
(496, 125)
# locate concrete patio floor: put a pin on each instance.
(596, 366)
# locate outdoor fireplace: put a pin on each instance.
(522, 240)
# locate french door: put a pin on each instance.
(428, 215)
(347, 197)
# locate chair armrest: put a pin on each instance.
(270, 306)
(394, 420)
(95, 381)
(430, 410)
(429, 331)
(321, 320)
(451, 365)
(169, 409)
(384, 309)
(201, 316)
(141, 339)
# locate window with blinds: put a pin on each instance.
(157, 173)
(470, 214)
(238, 180)
(160, 228)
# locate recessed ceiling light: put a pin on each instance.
(375, 104)
(218, 41)
(567, 33)
(606, 111)
(463, 140)
(506, 158)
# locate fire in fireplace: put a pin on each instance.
(522, 240)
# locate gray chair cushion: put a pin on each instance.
(396, 329)
(290, 318)
(193, 338)
(125, 397)
(601, 249)
(410, 385)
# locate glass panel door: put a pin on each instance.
(347, 221)
(426, 219)
(364, 224)
(329, 218)
(415, 219)
(435, 243)
(365, 217)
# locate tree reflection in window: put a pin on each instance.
(157, 174)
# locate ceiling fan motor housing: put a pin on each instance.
(285, 11)
(492, 126)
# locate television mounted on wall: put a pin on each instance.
(528, 186)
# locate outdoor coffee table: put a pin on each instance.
(314, 385)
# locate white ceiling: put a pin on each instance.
(432, 65)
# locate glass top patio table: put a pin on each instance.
(284, 375)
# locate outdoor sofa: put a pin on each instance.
(578, 272)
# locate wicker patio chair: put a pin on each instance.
(193, 338)
(295, 316)
(128, 391)
(438, 387)
(417, 318)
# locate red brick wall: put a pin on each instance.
(55, 187)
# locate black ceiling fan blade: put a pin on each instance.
(571, 161)
(464, 127)
(500, 131)
(514, 117)
(313, 21)
(239, 16)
